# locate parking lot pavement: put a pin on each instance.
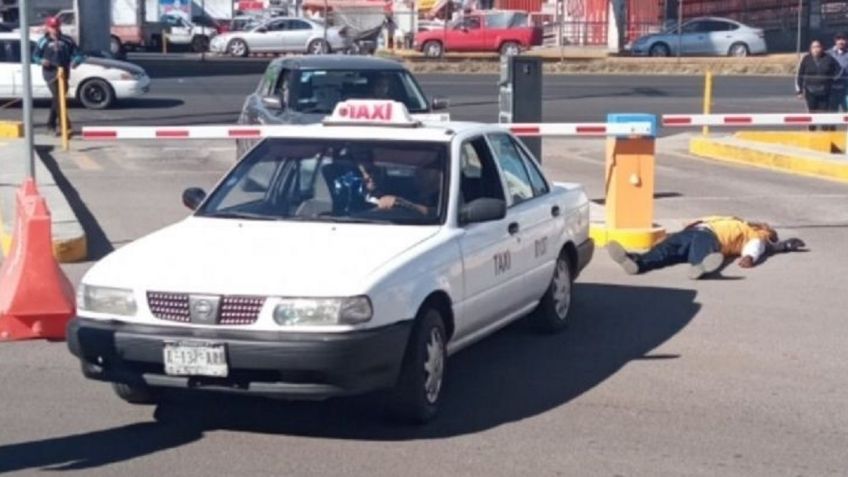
(657, 375)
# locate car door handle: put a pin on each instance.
(555, 211)
(513, 228)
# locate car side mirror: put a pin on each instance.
(482, 210)
(439, 103)
(272, 102)
(193, 197)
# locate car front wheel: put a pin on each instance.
(417, 394)
(660, 49)
(134, 394)
(739, 50)
(96, 94)
(433, 49)
(555, 306)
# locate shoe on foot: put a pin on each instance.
(621, 257)
(710, 264)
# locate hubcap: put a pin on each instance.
(94, 94)
(237, 48)
(562, 289)
(511, 50)
(317, 47)
(434, 366)
(433, 50)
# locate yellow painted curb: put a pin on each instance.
(631, 239)
(11, 129)
(820, 141)
(833, 169)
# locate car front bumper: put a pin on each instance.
(277, 364)
(131, 88)
(585, 251)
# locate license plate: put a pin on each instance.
(195, 358)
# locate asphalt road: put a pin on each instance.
(658, 375)
(179, 96)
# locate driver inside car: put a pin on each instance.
(372, 178)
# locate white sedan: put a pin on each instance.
(283, 35)
(339, 258)
(97, 83)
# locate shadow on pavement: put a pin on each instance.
(98, 243)
(187, 68)
(147, 103)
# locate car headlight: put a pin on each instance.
(112, 301)
(322, 311)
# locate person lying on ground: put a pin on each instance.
(705, 244)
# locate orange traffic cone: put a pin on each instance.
(36, 298)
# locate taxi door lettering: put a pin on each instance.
(503, 262)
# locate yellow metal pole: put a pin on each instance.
(708, 97)
(63, 109)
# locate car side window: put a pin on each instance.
(299, 25)
(537, 180)
(478, 175)
(280, 25)
(712, 26)
(512, 165)
(694, 27)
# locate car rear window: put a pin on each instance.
(318, 91)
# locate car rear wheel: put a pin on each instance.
(510, 48)
(200, 43)
(238, 47)
(660, 49)
(115, 47)
(136, 394)
(418, 392)
(96, 94)
(739, 50)
(553, 312)
(317, 47)
(433, 49)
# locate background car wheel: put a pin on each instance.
(136, 394)
(552, 314)
(660, 49)
(96, 94)
(433, 49)
(510, 48)
(418, 392)
(739, 50)
(116, 48)
(200, 43)
(238, 48)
(317, 47)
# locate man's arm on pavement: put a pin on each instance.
(751, 252)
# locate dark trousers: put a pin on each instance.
(819, 103)
(690, 245)
(53, 84)
(838, 100)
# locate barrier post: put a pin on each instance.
(708, 98)
(629, 184)
(164, 43)
(63, 109)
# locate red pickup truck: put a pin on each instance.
(481, 31)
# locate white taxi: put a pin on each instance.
(339, 258)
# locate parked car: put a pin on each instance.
(97, 83)
(485, 31)
(243, 23)
(708, 36)
(283, 35)
(305, 90)
(183, 32)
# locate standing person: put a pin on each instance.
(814, 80)
(839, 90)
(705, 244)
(53, 51)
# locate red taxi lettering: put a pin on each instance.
(374, 112)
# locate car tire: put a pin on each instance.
(551, 316)
(134, 394)
(433, 49)
(738, 50)
(116, 47)
(200, 44)
(96, 93)
(510, 48)
(317, 47)
(659, 50)
(238, 47)
(416, 396)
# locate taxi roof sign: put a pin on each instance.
(369, 112)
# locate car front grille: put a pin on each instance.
(232, 310)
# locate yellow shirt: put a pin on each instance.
(733, 233)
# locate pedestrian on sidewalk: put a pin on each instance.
(839, 90)
(705, 244)
(814, 80)
(53, 51)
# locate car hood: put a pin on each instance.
(117, 64)
(268, 258)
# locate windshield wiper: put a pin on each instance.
(230, 214)
(353, 220)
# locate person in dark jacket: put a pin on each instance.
(53, 51)
(814, 80)
(839, 92)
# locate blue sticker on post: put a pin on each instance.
(635, 118)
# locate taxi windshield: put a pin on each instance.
(318, 91)
(360, 181)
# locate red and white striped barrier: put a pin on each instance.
(258, 132)
(687, 120)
